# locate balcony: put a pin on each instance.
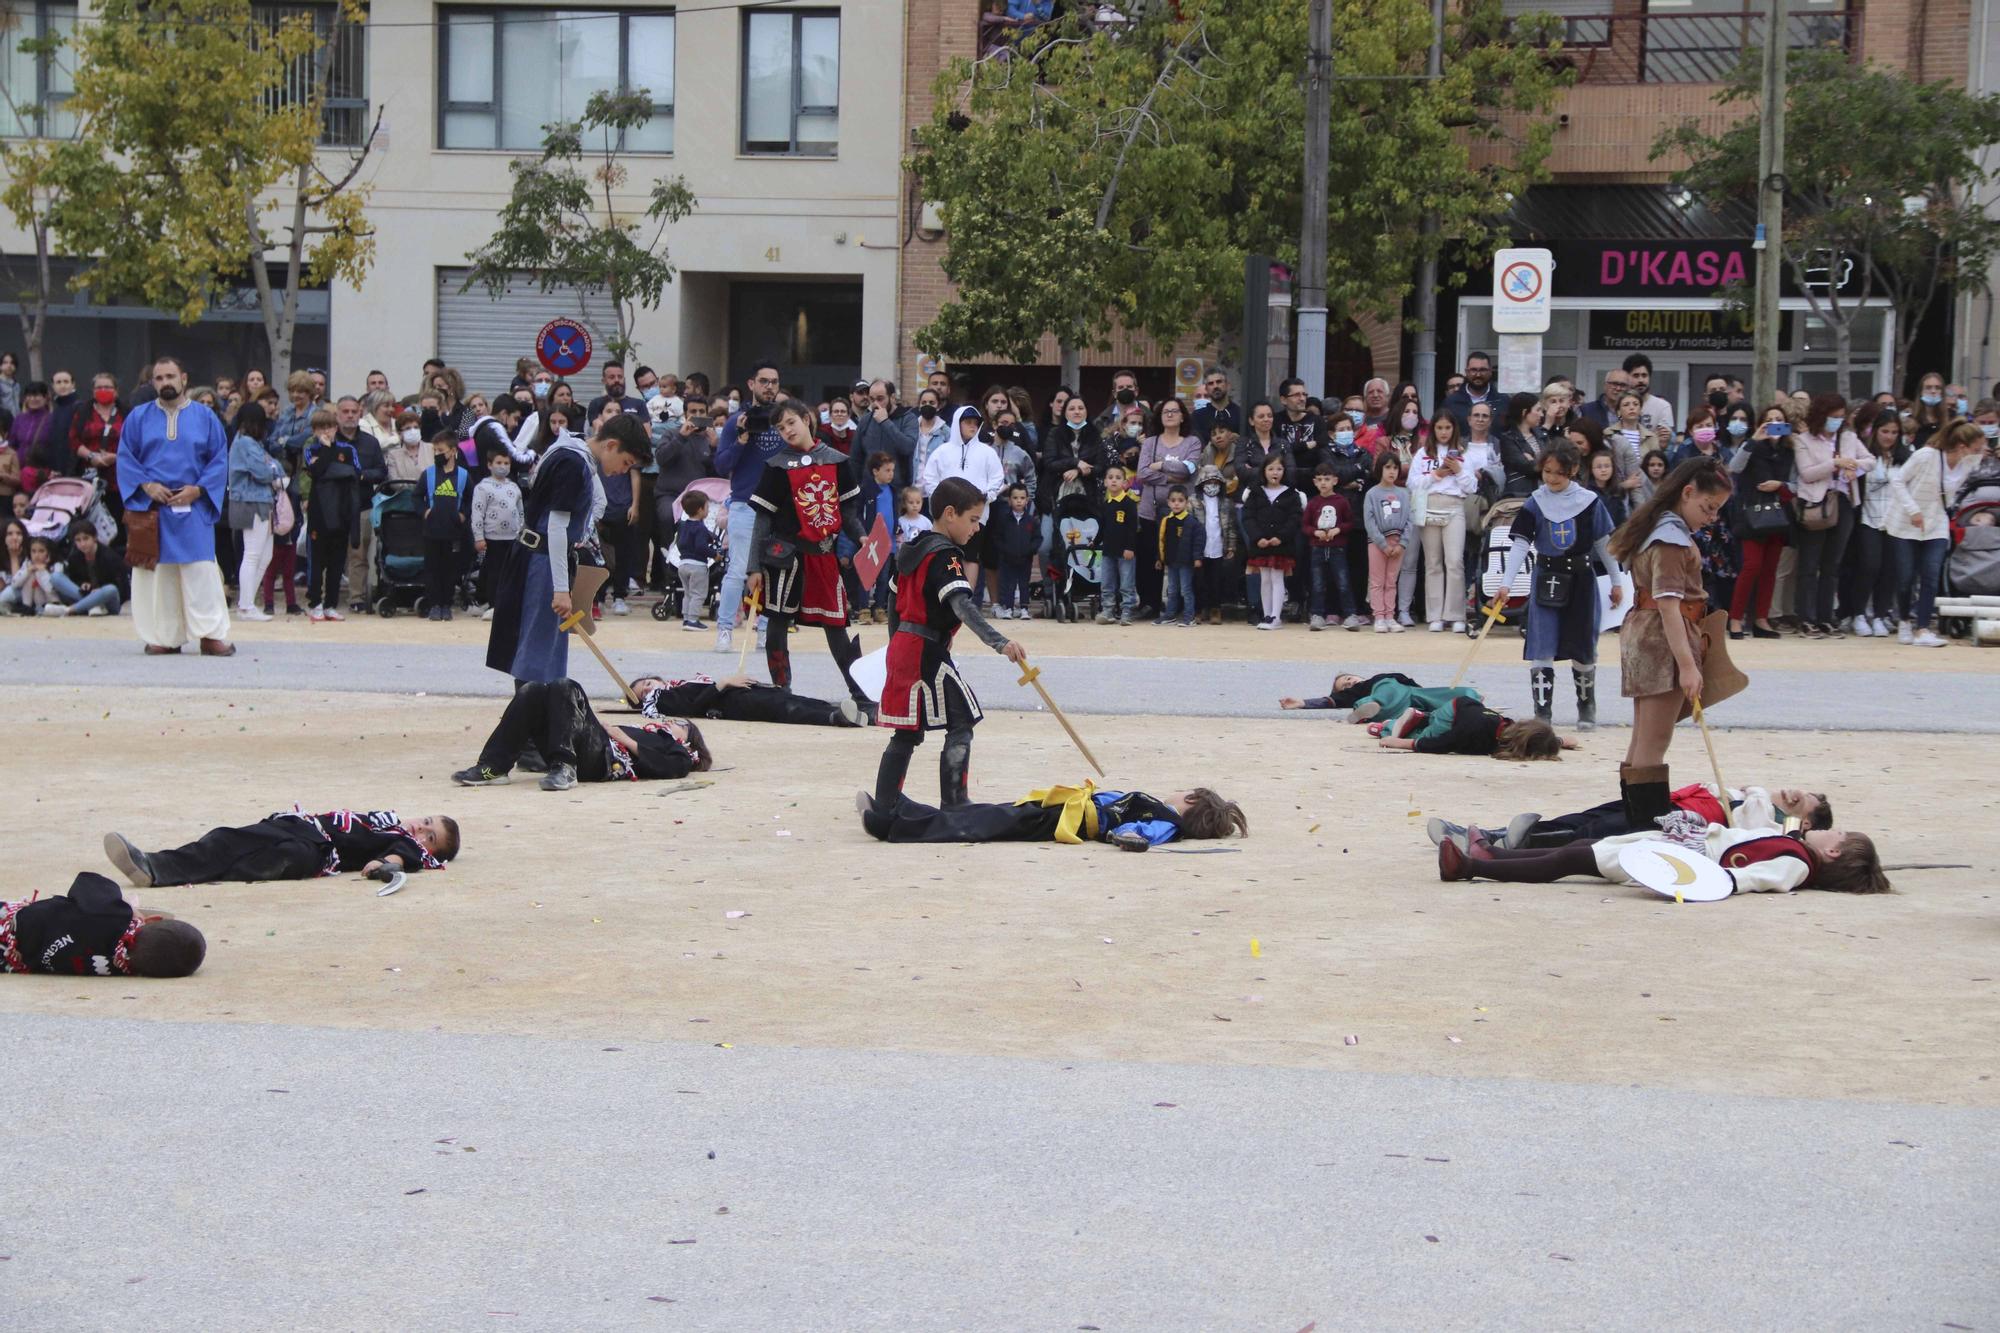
(341, 84)
(1673, 47)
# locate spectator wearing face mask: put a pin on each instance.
(933, 429)
(1124, 394)
(405, 459)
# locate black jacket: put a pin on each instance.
(1264, 517)
(1016, 537)
(74, 934)
(1518, 452)
(106, 571)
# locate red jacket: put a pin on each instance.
(90, 434)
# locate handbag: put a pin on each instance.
(1820, 515)
(283, 516)
(1555, 580)
(1766, 516)
(142, 538)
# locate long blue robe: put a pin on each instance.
(198, 456)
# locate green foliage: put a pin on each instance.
(1100, 176)
(194, 146)
(1882, 172)
(561, 222)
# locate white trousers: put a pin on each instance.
(174, 604)
(1444, 565)
(257, 542)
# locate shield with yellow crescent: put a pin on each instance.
(1672, 871)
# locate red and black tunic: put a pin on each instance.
(804, 502)
(924, 691)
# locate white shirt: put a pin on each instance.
(972, 459)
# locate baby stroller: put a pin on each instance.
(1495, 541)
(1973, 567)
(717, 490)
(1074, 577)
(398, 516)
(60, 501)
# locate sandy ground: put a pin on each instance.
(603, 913)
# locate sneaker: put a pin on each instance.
(1397, 627)
(619, 607)
(1882, 630)
(1862, 629)
(53, 610)
(693, 625)
(1926, 639)
(1357, 622)
(722, 637)
(316, 615)
(444, 613)
(1836, 630)
(251, 613)
(479, 775)
(292, 609)
(560, 778)
(1906, 635)
(333, 614)
(1403, 619)
(1158, 621)
(1185, 622)
(1125, 617)
(1458, 627)
(1317, 622)
(1267, 624)
(1106, 618)
(487, 614)
(1437, 627)
(97, 611)
(357, 606)
(1381, 627)
(847, 713)
(131, 862)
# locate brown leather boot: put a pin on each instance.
(217, 648)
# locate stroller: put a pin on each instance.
(398, 516)
(1495, 541)
(61, 501)
(1973, 567)
(1075, 577)
(717, 490)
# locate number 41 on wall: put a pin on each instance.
(771, 255)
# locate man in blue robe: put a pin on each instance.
(173, 459)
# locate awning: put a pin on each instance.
(1622, 212)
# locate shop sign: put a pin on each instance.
(1650, 270)
(1677, 331)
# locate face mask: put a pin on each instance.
(1961, 406)
(412, 435)
(1990, 429)
(652, 393)
(1930, 399)
(500, 471)
(928, 412)
(1833, 425)
(1739, 428)
(1703, 434)
(735, 403)
(105, 396)
(1127, 397)
(1410, 420)
(1200, 403)
(541, 388)
(1343, 438)
(1718, 400)
(1134, 429)
(826, 418)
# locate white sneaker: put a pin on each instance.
(1317, 622)
(1458, 627)
(1862, 629)
(250, 613)
(487, 614)
(1437, 627)
(1397, 627)
(97, 611)
(1357, 622)
(722, 637)
(1906, 635)
(54, 610)
(1927, 640)
(316, 613)
(1381, 627)
(333, 613)
(1267, 624)
(1881, 628)
(1403, 619)
(619, 607)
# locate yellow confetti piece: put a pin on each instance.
(725, 1046)
(1313, 829)
(1256, 948)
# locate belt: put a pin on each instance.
(1692, 608)
(924, 632)
(530, 539)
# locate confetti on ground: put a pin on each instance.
(1256, 948)
(1456, 1041)
(1353, 1040)
(733, 916)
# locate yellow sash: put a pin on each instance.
(1079, 810)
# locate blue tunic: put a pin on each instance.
(197, 456)
(1567, 632)
(525, 641)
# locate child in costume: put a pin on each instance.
(1757, 860)
(581, 748)
(1564, 524)
(739, 699)
(804, 502)
(92, 931)
(1132, 820)
(1784, 808)
(293, 844)
(1385, 696)
(1666, 641)
(924, 691)
(1468, 726)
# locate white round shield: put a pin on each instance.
(1675, 872)
(871, 672)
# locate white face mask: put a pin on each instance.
(1134, 429)
(1410, 420)
(412, 436)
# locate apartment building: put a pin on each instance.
(784, 119)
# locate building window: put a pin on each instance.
(505, 73)
(37, 85)
(344, 97)
(791, 82)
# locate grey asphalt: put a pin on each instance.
(1886, 700)
(214, 1176)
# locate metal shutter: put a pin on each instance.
(482, 338)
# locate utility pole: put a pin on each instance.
(1424, 354)
(1309, 357)
(1770, 244)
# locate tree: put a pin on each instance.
(1883, 175)
(1097, 176)
(562, 223)
(206, 121)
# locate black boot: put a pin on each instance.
(893, 769)
(1648, 796)
(1542, 685)
(955, 769)
(1586, 696)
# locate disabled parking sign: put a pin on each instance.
(563, 347)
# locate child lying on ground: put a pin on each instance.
(1350, 690)
(294, 845)
(1757, 860)
(740, 699)
(1751, 807)
(1132, 820)
(1467, 726)
(579, 747)
(93, 931)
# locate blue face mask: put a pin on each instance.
(1343, 438)
(1930, 399)
(652, 393)
(1990, 429)
(1833, 425)
(541, 388)
(1962, 406)
(1739, 428)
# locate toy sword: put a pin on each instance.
(1494, 611)
(1033, 676)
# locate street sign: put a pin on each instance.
(563, 347)
(1187, 372)
(1521, 283)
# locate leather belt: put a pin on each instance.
(530, 539)
(1692, 608)
(924, 632)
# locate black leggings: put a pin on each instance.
(1537, 866)
(329, 562)
(778, 653)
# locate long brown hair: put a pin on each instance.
(1209, 816)
(1531, 739)
(1705, 472)
(1858, 869)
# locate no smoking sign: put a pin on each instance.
(1521, 281)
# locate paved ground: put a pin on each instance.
(238, 1178)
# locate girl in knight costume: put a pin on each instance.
(806, 499)
(1669, 651)
(1758, 860)
(930, 598)
(1565, 525)
(1132, 820)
